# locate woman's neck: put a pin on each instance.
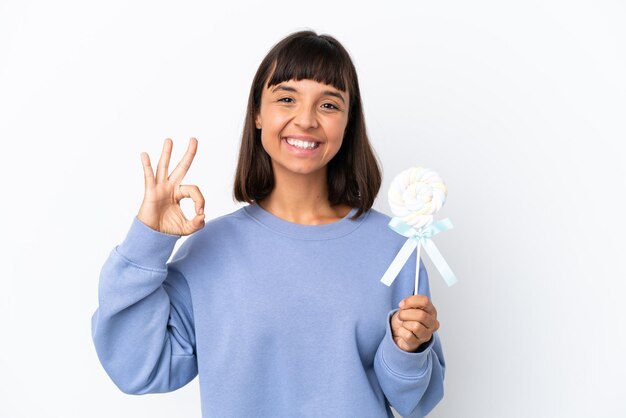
(302, 199)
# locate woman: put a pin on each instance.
(278, 306)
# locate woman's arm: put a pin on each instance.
(411, 381)
(143, 328)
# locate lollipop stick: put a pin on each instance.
(417, 269)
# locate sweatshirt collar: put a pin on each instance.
(331, 230)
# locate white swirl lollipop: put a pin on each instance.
(416, 194)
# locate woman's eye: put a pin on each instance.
(330, 106)
(286, 100)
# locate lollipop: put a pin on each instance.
(415, 196)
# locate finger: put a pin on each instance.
(417, 302)
(184, 164)
(419, 329)
(197, 222)
(422, 334)
(148, 174)
(193, 192)
(164, 161)
(192, 225)
(409, 337)
(418, 316)
(403, 344)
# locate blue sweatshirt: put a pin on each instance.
(277, 319)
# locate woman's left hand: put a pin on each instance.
(415, 323)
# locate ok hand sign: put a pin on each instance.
(160, 209)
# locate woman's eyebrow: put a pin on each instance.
(284, 88)
(334, 94)
(325, 92)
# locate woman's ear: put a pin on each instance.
(257, 121)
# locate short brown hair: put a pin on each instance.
(354, 174)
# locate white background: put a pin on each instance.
(519, 105)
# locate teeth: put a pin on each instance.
(302, 144)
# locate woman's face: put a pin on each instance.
(302, 125)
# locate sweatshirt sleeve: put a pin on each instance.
(143, 328)
(412, 382)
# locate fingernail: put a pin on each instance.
(401, 304)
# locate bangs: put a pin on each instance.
(311, 59)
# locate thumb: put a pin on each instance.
(396, 322)
(193, 225)
(198, 221)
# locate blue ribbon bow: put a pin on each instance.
(417, 239)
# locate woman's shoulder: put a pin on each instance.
(222, 223)
(377, 224)
(213, 236)
(377, 216)
(375, 219)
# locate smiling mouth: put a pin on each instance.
(298, 143)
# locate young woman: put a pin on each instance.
(278, 306)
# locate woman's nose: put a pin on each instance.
(306, 118)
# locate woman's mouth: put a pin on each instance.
(302, 144)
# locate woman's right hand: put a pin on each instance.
(160, 209)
